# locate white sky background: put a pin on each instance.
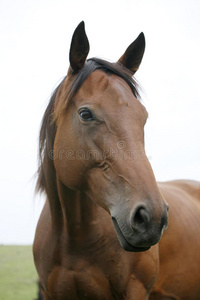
(35, 40)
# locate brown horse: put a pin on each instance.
(97, 237)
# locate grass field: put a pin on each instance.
(18, 278)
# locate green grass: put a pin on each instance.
(18, 277)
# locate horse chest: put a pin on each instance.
(113, 277)
(83, 280)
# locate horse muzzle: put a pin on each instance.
(142, 230)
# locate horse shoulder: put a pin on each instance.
(183, 198)
(179, 276)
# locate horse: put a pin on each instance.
(103, 232)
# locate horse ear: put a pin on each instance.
(132, 57)
(79, 48)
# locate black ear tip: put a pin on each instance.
(80, 29)
(142, 37)
(81, 26)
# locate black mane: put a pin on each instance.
(48, 126)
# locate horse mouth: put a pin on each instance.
(123, 241)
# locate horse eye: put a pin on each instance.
(86, 114)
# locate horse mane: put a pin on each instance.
(46, 140)
(48, 126)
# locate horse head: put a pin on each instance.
(99, 142)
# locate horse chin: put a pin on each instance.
(123, 241)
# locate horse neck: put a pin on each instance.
(80, 215)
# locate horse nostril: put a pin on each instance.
(140, 219)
